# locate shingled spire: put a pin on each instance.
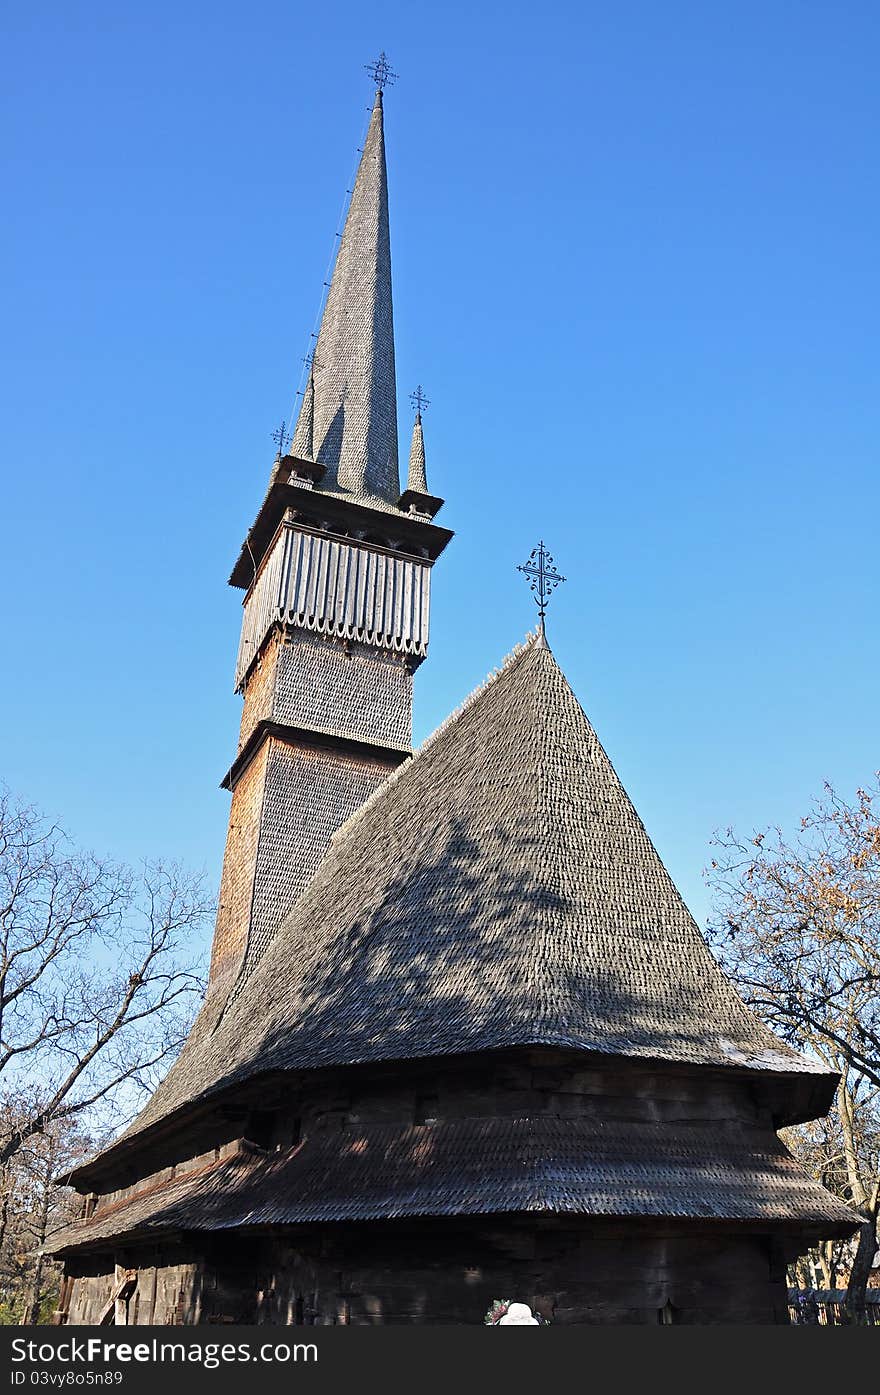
(416, 479)
(354, 397)
(415, 498)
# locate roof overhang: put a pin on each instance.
(414, 501)
(790, 1097)
(303, 736)
(338, 514)
(529, 1164)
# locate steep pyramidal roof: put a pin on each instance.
(353, 399)
(499, 890)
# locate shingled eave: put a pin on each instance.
(536, 1165)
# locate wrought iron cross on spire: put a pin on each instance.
(282, 439)
(380, 71)
(542, 576)
(419, 400)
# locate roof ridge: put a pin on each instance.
(509, 661)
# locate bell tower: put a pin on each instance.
(336, 572)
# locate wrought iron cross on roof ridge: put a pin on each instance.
(542, 576)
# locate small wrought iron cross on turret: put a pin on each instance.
(282, 439)
(311, 362)
(380, 71)
(543, 578)
(419, 401)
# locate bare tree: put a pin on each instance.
(797, 926)
(99, 976)
(841, 1152)
(32, 1209)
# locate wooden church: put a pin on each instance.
(462, 1039)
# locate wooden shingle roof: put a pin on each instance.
(498, 890)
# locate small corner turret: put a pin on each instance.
(415, 499)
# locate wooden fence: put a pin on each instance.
(825, 1307)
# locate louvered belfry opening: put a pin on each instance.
(462, 1039)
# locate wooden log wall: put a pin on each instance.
(449, 1274)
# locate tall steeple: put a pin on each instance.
(336, 568)
(354, 396)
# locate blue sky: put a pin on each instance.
(635, 263)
